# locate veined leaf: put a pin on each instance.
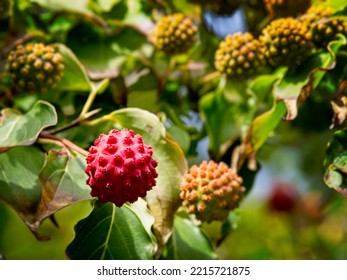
(20, 187)
(18, 129)
(36, 186)
(111, 233)
(63, 182)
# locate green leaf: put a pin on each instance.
(296, 87)
(262, 85)
(111, 233)
(147, 100)
(258, 132)
(63, 182)
(107, 5)
(75, 76)
(45, 184)
(336, 163)
(231, 223)
(163, 199)
(264, 124)
(337, 5)
(180, 136)
(109, 52)
(20, 187)
(188, 242)
(57, 5)
(17, 129)
(76, 6)
(141, 210)
(336, 175)
(226, 113)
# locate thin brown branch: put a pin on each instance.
(67, 143)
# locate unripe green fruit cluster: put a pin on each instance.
(316, 13)
(175, 34)
(211, 191)
(325, 30)
(239, 55)
(35, 67)
(323, 25)
(286, 41)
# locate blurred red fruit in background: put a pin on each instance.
(283, 197)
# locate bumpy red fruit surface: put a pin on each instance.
(211, 191)
(120, 167)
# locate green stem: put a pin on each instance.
(75, 122)
(88, 103)
(221, 85)
(162, 79)
(100, 120)
(43, 140)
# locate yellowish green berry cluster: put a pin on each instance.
(316, 13)
(326, 30)
(239, 55)
(323, 25)
(175, 34)
(35, 67)
(286, 41)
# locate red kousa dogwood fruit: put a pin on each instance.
(120, 167)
